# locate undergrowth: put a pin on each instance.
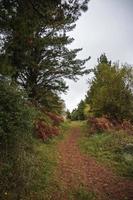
(36, 163)
(81, 194)
(115, 149)
(44, 183)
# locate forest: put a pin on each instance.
(46, 151)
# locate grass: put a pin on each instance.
(36, 170)
(113, 149)
(82, 194)
(78, 124)
(47, 159)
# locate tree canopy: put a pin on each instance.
(111, 91)
(34, 38)
(79, 112)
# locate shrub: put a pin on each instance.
(47, 124)
(99, 124)
(56, 119)
(44, 130)
(16, 127)
(102, 124)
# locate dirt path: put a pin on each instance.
(76, 169)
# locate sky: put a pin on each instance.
(107, 27)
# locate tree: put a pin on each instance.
(111, 91)
(79, 112)
(81, 107)
(52, 102)
(74, 115)
(68, 114)
(36, 42)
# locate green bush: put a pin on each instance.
(16, 128)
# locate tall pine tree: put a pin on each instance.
(34, 36)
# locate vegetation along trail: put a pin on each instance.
(82, 177)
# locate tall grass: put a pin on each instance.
(114, 149)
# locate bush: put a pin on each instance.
(16, 127)
(26, 165)
(102, 124)
(99, 124)
(45, 131)
(56, 119)
(47, 125)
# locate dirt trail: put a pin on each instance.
(76, 169)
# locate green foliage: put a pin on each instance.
(35, 57)
(87, 109)
(44, 166)
(16, 117)
(81, 108)
(44, 185)
(27, 165)
(35, 44)
(51, 102)
(111, 91)
(111, 149)
(79, 113)
(74, 115)
(68, 114)
(16, 129)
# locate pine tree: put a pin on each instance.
(111, 91)
(36, 42)
(68, 114)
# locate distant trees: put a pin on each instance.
(79, 112)
(111, 91)
(68, 114)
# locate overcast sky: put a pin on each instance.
(107, 27)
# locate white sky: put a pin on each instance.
(107, 27)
